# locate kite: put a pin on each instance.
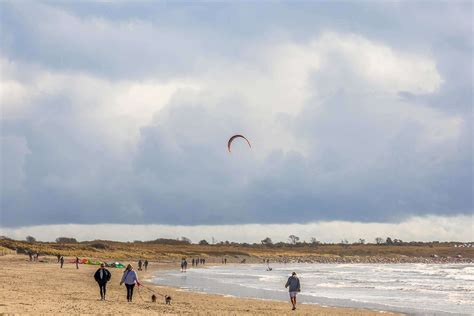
(229, 143)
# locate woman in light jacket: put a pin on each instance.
(130, 278)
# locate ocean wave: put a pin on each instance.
(444, 288)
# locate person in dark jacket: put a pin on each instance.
(61, 261)
(102, 276)
(293, 285)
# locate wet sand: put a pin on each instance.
(42, 287)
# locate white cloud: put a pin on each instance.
(382, 67)
(116, 109)
(454, 228)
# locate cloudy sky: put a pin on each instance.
(115, 119)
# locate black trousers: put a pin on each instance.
(102, 287)
(129, 291)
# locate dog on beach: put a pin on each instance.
(168, 300)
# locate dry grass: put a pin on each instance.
(154, 251)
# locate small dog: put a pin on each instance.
(168, 300)
(153, 298)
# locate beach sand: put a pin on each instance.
(39, 287)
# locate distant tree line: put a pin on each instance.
(293, 241)
(66, 240)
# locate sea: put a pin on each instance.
(414, 289)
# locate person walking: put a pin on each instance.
(61, 261)
(77, 262)
(140, 265)
(59, 257)
(102, 276)
(293, 285)
(130, 278)
(183, 269)
(145, 264)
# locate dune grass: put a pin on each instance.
(158, 251)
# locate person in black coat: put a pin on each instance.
(102, 276)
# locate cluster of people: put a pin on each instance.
(129, 278)
(33, 256)
(142, 263)
(194, 261)
(198, 261)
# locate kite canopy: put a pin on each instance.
(229, 143)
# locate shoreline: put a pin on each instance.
(44, 288)
(248, 286)
(173, 267)
(375, 310)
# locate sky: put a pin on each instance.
(115, 118)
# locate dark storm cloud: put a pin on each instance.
(369, 156)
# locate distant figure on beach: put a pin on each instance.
(140, 265)
(61, 261)
(30, 255)
(193, 262)
(145, 264)
(293, 285)
(184, 265)
(102, 276)
(225, 260)
(268, 265)
(59, 257)
(77, 262)
(130, 278)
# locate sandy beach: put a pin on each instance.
(42, 287)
